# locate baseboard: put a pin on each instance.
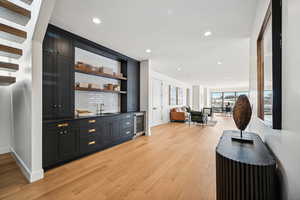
(31, 176)
(4, 149)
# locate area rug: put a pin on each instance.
(211, 122)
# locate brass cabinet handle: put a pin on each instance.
(63, 125)
(93, 142)
(92, 130)
(92, 121)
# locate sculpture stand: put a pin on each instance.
(242, 139)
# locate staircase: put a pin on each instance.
(19, 16)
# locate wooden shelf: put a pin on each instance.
(27, 1)
(101, 75)
(98, 90)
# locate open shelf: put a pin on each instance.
(101, 75)
(98, 90)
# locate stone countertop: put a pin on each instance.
(85, 117)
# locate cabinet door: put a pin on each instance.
(115, 123)
(49, 85)
(65, 86)
(106, 132)
(50, 147)
(133, 90)
(49, 42)
(68, 144)
(64, 46)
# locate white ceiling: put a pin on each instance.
(173, 30)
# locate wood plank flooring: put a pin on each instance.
(177, 162)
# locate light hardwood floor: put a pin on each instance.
(177, 162)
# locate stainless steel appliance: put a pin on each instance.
(139, 124)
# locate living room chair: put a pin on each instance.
(198, 117)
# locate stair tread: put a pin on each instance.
(13, 31)
(15, 8)
(10, 52)
(7, 80)
(9, 66)
(28, 1)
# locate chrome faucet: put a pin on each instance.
(100, 108)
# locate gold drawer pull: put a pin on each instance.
(92, 121)
(92, 130)
(93, 142)
(63, 125)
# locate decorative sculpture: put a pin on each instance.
(242, 112)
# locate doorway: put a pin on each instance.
(157, 102)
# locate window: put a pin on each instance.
(242, 93)
(220, 100)
(229, 99)
(217, 101)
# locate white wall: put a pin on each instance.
(6, 91)
(206, 97)
(24, 109)
(145, 92)
(5, 119)
(285, 143)
(166, 82)
(22, 143)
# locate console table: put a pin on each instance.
(244, 171)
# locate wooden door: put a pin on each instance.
(157, 102)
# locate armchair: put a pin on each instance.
(198, 117)
(178, 114)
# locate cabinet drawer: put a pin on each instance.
(128, 132)
(88, 144)
(87, 131)
(126, 123)
(127, 116)
(89, 122)
(60, 125)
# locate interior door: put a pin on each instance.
(157, 102)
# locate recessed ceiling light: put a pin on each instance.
(219, 63)
(178, 69)
(96, 20)
(148, 51)
(170, 12)
(207, 33)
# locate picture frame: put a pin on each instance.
(269, 68)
